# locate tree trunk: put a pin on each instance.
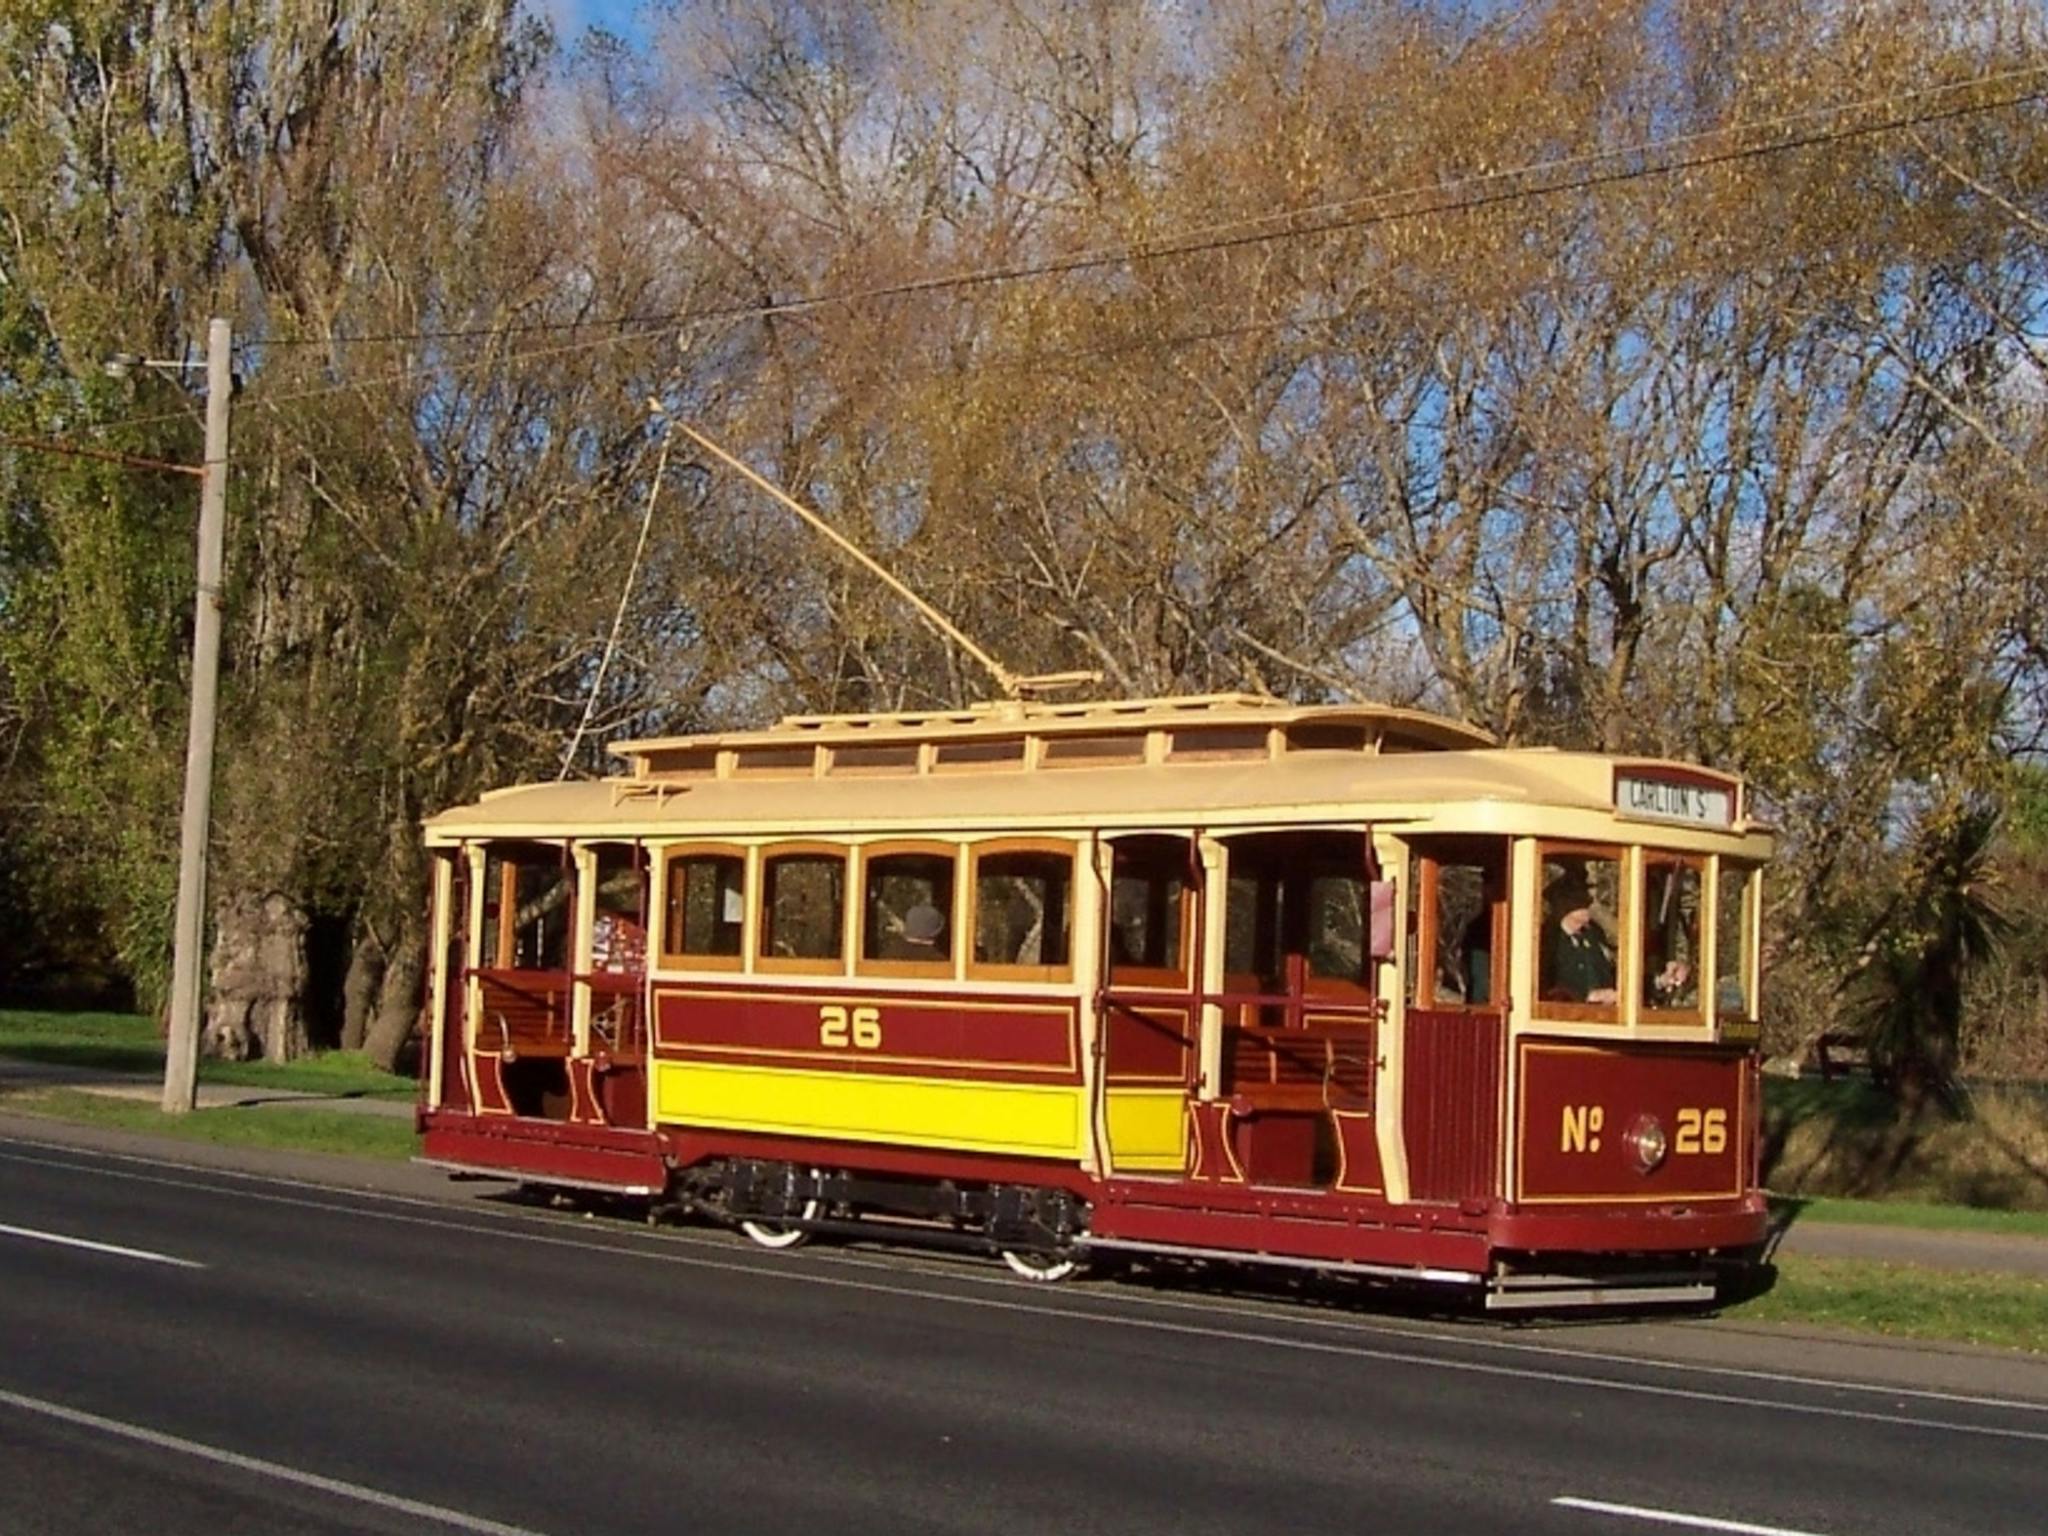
(398, 998)
(359, 989)
(256, 1002)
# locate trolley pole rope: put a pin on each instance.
(1008, 681)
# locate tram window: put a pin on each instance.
(1462, 937)
(530, 903)
(803, 907)
(1337, 928)
(1023, 908)
(909, 908)
(1672, 897)
(1576, 950)
(706, 905)
(1148, 893)
(618, 933)
(1735, 893)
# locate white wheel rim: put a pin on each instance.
(774, 1234)
(1038, 1266)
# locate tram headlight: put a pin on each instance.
(1646, 1143)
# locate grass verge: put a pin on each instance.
(1910, 1213)
(283, 1128)
(1905, 1301)
(121, 1042)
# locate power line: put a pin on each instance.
(626, 329)
(1249, 228)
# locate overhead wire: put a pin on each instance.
(1217, 235)
(624, 330)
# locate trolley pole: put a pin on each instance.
(181, 1050)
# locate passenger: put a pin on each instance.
(1578, 949)
(1475, 945)
(918, 937)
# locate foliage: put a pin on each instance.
(1907, 1000)
(1729, 462)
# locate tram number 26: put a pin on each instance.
(1701, 1131)
(840, 1027)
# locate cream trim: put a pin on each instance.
(437, 958)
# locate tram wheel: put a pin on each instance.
(780, 1235)
(1040, 1268)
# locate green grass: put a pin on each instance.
(290, 1128)
(1905, 1301)
(119, 1042)
(1910, 1213)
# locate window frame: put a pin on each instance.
(1750, 940)
(501, 929)
(1616, 1012)
(928, 848)
(763, 916)
(1152, 978)
(1647, 1012)
(1426, 870)
(984, 970)
(682, 960)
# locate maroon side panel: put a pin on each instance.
(622, 1089)
(544, 1150)
(931, 1035)
(1450, 1104)
(1213, 1163)
(1146, 1044)
(1578, 1102)
(1306, 1227)
(1360, 1146)
(1627, 1229)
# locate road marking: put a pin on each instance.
(32, 1235)
(1673, 1517)
(906, 1262)
(914, 1262)
(439, 1513)
(787, 1270)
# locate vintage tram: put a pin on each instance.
(1348, 988)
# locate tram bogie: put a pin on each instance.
(1337, 988)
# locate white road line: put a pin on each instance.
(906, 1263)
(1208, 1333)
(32, 1235)
(438, 1513)
(1673, 1517)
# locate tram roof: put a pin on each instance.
(1386, 725)
(1318, 784)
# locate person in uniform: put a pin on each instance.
(1578, 945)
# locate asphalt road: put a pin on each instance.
(270, 1357)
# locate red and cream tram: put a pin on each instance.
(1341, 987)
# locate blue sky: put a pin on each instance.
(571, 17)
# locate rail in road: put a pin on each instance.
(185, 1350)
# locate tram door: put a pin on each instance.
(1455, 1034)
(1150, 1002)
(608, 1071)
(1302, 941)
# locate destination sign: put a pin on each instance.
(1697, 805)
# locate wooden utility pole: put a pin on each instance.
(181, 1050)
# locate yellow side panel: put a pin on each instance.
(1028, 1120)
(1148, 1129)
